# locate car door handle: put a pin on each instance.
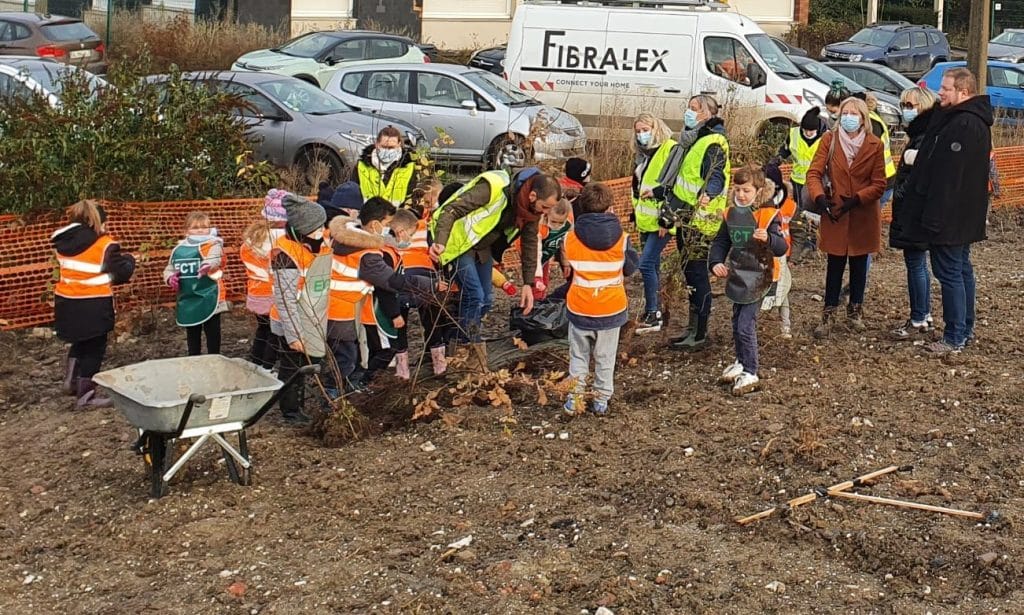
(425, 113)
(708, 92)
(671, 90)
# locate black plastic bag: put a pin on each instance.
(549, 320)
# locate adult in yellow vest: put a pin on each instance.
(657, 162)
(477, 224)
(801, 146)
(386, 168)
(696, 205)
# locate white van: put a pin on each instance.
(612, 59)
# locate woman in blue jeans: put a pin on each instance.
(657, 162)
(918, 105)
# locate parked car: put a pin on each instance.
(1004, 86)
(491, 59)
(24, 77)
(1008, 46)
(888, 105)
(64, 39)
(295, 123)
(487, 118)
(906, 48)
(789, 50)
(316, 56)
(874, 77)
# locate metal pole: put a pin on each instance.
(939, 9)
(110, 16)
(872, 11)
(977, 42)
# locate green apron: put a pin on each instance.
(198, 297)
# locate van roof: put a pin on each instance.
(711, 5)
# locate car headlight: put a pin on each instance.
(856, 57)
(824, 52)
(814, 99)
(358, 138)
(501, 62)
(885, 108)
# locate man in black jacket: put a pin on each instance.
(948, 198)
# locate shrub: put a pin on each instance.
(177, 41)
(128, 142)
(813, 37)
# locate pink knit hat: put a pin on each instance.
(273, 210)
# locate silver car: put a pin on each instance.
(469, 115)
(296, 123)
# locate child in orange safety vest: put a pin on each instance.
(778, 295)
(600, 254)
(91, 263)
(744, 253)
(257, 241)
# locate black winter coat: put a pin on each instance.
(947, 193)
(915, 137)
(78, 320)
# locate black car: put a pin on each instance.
(492, 60)
(788, 49)
(874, 77)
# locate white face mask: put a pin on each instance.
(317, 235)
(388, 156)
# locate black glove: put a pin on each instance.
(821, 203)
(849, 202)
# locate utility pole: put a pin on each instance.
(977, 42)
(872, 11)
(939, 9)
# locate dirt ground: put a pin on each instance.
(633, 512)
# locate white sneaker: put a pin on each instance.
(745, 383)
(787, 333)
(731, 373)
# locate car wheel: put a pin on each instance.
(319, 164)
(506, 150)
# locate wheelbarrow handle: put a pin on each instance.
(194, 400)
(306, 370)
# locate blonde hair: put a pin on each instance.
(404, 219)
(196, 217)
(87, 212)
(922, 97)
(257, 234)
(860, 107)
(963, 79)
(660, 132)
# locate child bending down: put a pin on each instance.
(600, 255)
(194, 272)
(744, 252)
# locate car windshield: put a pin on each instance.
(776, 60)
(307, 46)
(499, 89)
(1013, 39)
(70, 31)
(827, 74)
(301, 97)
(873, 37)
(53, 77)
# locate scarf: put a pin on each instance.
(851, 145)
(524, 213)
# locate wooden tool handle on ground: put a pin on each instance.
(810, 497)
(904, 504)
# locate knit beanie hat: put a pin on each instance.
(323, 194)
(273, 211)
(304, 215)
(347, 196)
(578, 170)
(812, 119)
(774, 174)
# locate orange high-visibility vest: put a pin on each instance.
(597, 287)
(299, 255)
(257, 271)
(417, 255)
(82, 276)
(786, 213)
(347, 289)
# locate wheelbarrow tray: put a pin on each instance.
(153, 395)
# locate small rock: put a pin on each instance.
(988, 558)
(38, 489)
(237, 589)
(888, 576)
(300, 583)
(225, 574)
(28, 580)
(43, 332)
(927, 590)
(564, 435)
(662, 577)
(428, 447)
(670, 502)
(603, 610)
(527, 523)
(688, 451)
(466, 555)
(817, 297)
(464, 542)
(549, 436)
(856, 422)
(777, 587)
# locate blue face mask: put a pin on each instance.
(402, 245)
(644, 138)
(850, 123)
(909, 115)
(690, 119)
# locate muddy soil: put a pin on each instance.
(633, 512)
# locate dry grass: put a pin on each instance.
(203, 45)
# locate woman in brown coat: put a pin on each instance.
(851, 221)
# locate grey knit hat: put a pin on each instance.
(304, 215)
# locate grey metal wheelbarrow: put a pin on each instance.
(201, 398)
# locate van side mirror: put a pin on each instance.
(757, 76)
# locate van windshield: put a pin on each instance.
(777, 61)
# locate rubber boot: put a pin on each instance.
(855, 317)
(478, 357)
(289, 403)
(691, 328)
(87, 395)
(69, 387)
(698, 340)
(440, 361)
(828, 320)
(402, 365)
